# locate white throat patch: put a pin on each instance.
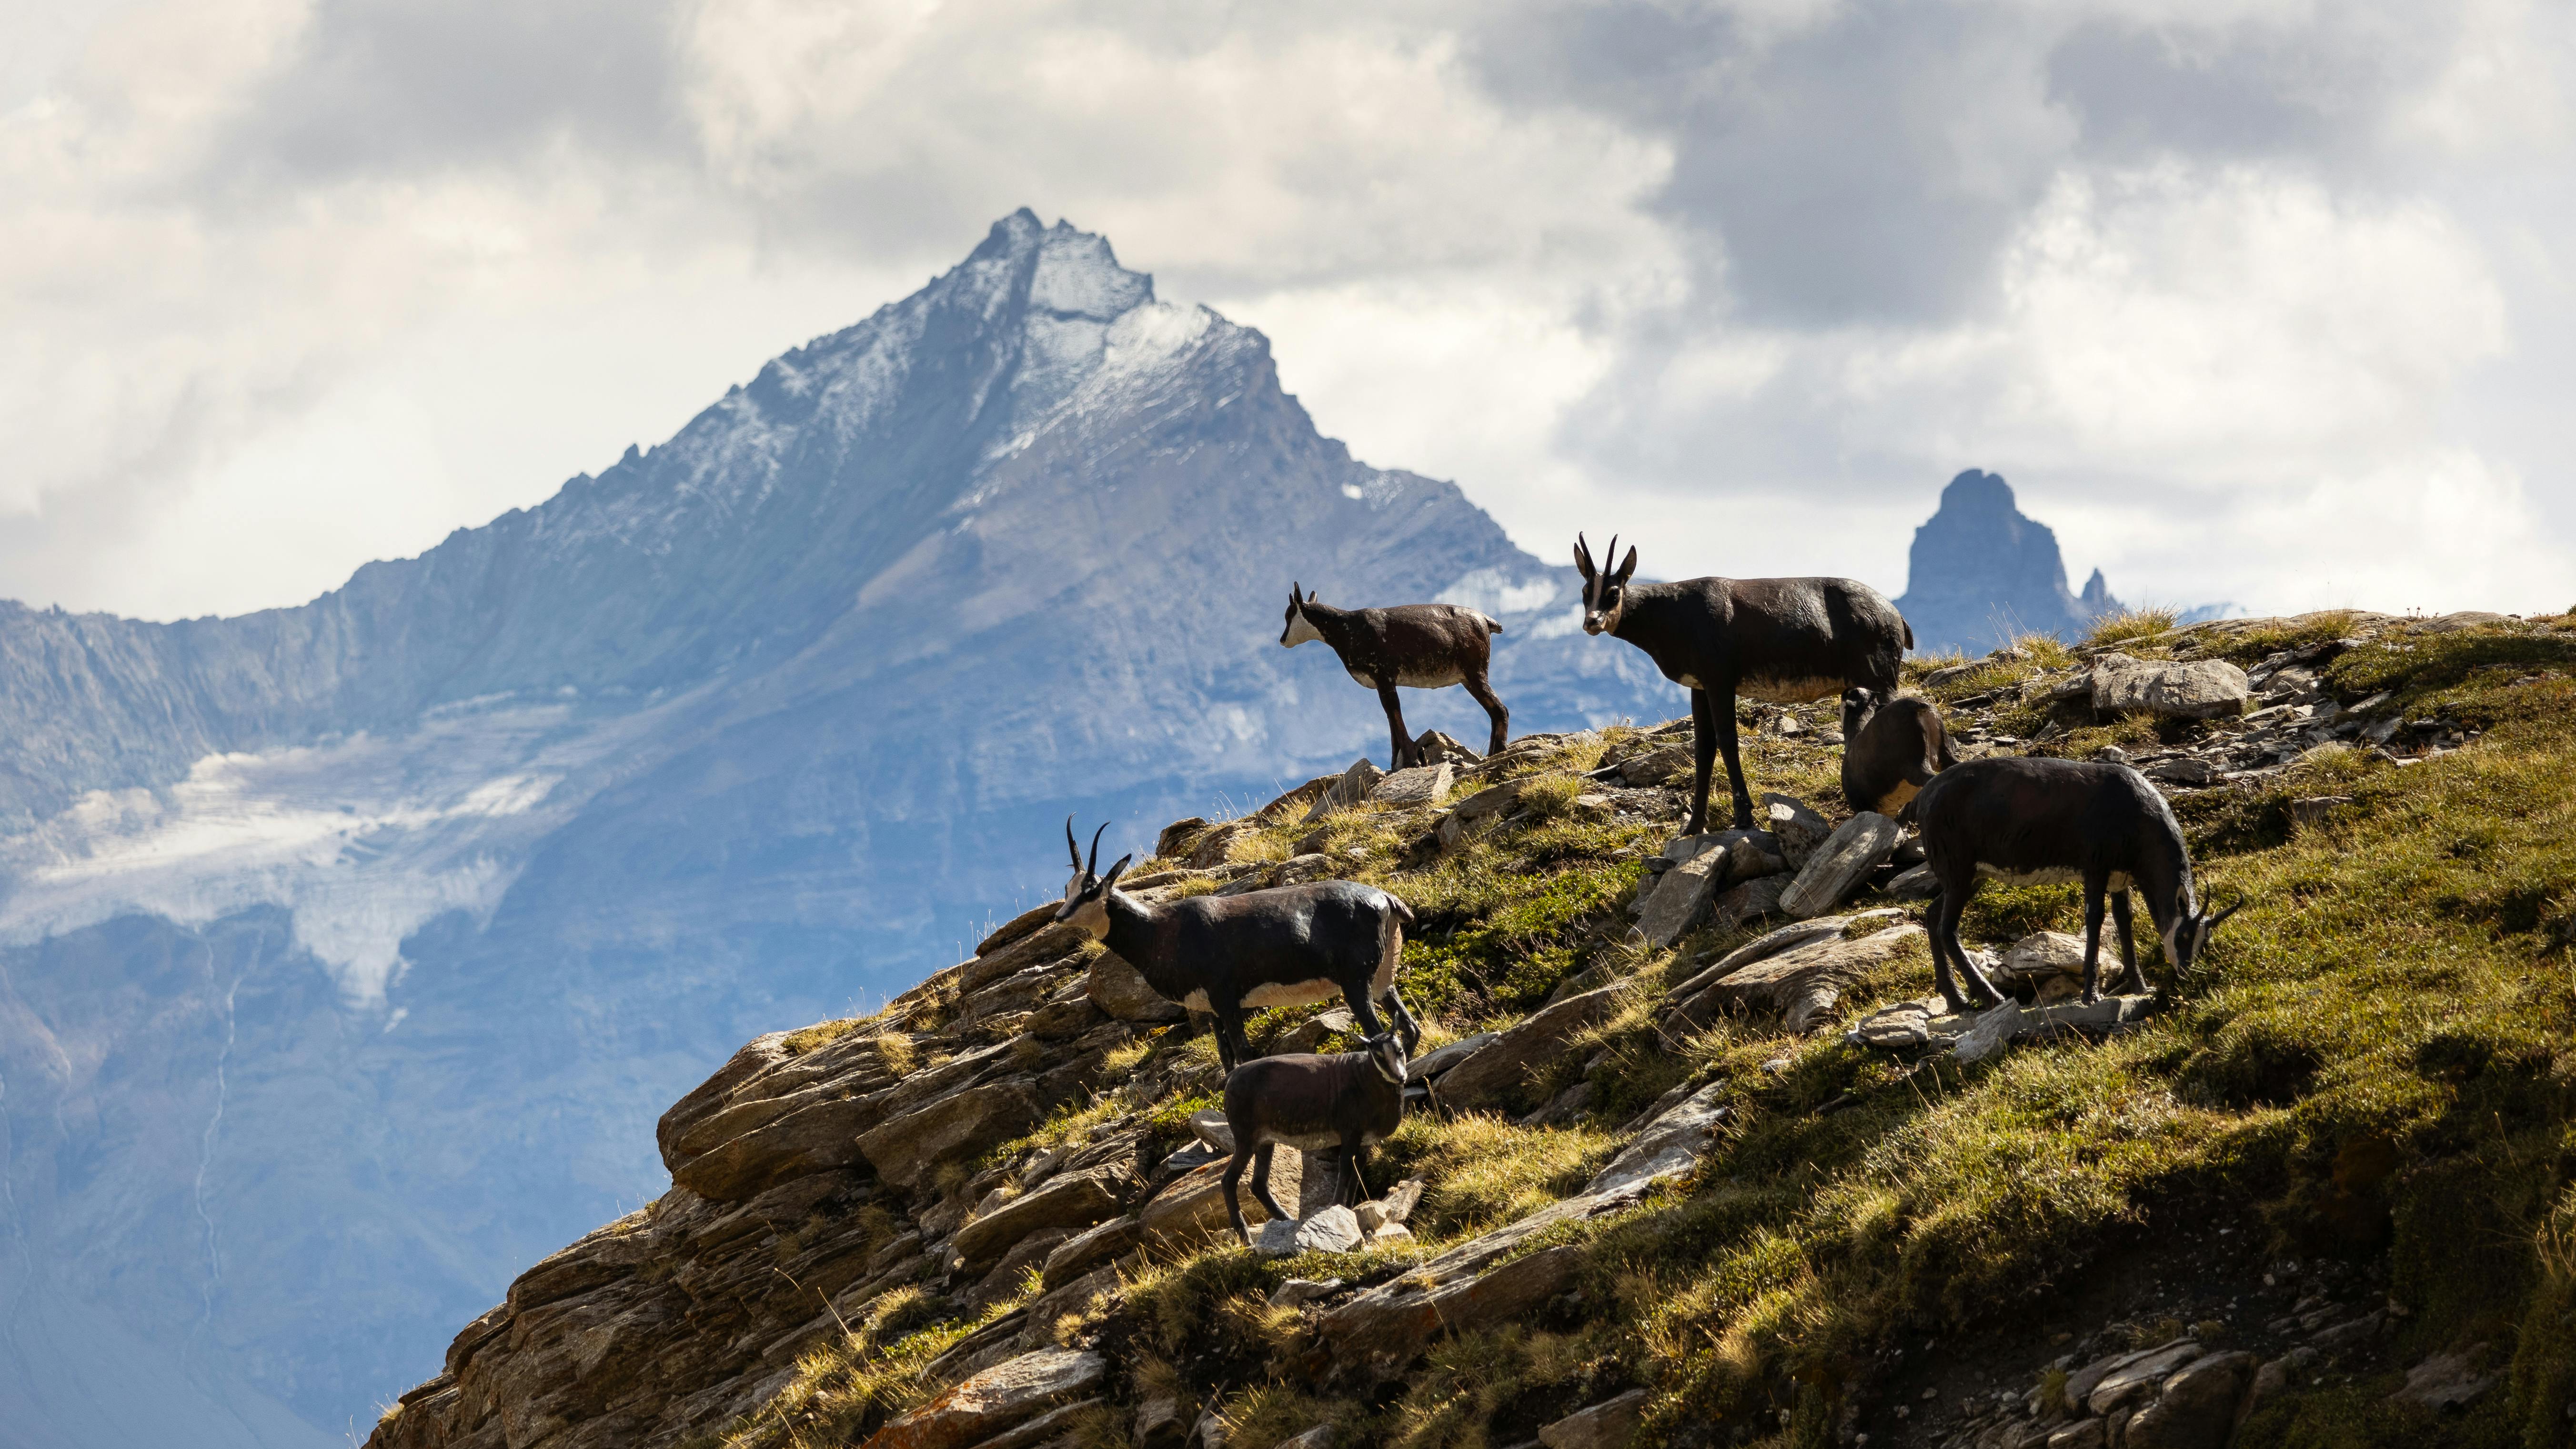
(1300, 630)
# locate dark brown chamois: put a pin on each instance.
(1891, 750)
(1311, 1103)
(1785, 641)
(1418, 646)
(1287, 946)
(2031, 820)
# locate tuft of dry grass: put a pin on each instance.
(2131, 625)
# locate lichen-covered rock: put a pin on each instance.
(1421, 785)
(2195, 689)
(1798, 829)
(1334, 1230)
(994, 1400)
(1353, 787)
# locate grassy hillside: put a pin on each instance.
(2360, 1098)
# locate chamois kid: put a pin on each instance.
(1287, 946)
(1784, 641)
(1311, 1103)
(2032, 820)
(1891, 749)
(1418, 646)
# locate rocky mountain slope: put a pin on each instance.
(1691, 1161)
(348, 951)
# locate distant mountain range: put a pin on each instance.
(347, 952)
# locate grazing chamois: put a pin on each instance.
(1312, 1103)
(1784, 641)
(2032, 820)
(1287, 946)
(1890, 751)
(1419, 646)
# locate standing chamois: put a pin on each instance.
(1287, 946)
(1419, 646)
(1890, 751)
(2032, 820)
(1311, 1103)
(1784, 641)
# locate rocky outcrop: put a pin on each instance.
(1981, 571)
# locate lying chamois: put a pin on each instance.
(1288, 946)
(2036, 820)
(1419, 646)
(1890, 751)
(1311, 1103)
(1785, 641)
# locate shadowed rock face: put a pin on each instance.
(348, 952)
(1981, 571)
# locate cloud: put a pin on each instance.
(294, 284)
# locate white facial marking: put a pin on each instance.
(1300, 630)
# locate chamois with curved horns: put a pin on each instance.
(1783, 641)
(1891, 750)
(2033, 820)
(1286, 946)
(1418, 646)
(1349, 1100)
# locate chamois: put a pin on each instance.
(1419, 646)
(2036, 820)
(1287, 946)
(1785, 641)
(1311, 1103)
(1891, 750)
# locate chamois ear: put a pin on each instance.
(1117, 870)
(1583, 558)
(1630, 567)
(1310, 596)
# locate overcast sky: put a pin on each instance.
(2263, 302)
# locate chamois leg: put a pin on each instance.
(1703, 754)
(2092, 941)
(1946, 950)
(1734, 764)
(1405, 753)
(1356, 996)
(1352, 1188)
(1232, 1048)
(1233, 1175)
(2133, 982)
(1484, 694)
(1261, 1185)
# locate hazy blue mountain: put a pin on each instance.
(1982, 571)
(348, 952)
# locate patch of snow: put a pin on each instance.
(1496, 593)
(1078, 274)
(1354, 492)
(363, 840)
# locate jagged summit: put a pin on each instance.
(747, 727)
(1982, 571)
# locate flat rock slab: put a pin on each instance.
(1750, 901)
(1500, 1067)
(1071, 1201)
(1681, 896)
(1609, 1424)
(995, 1400)
(2003, 1023)
(1802, 984)
(2198, 689)
(1092, 1247)
(1421, 785)
(1835, 870)
(1191, 1212)
(1671, 1143)
(905, 1147)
